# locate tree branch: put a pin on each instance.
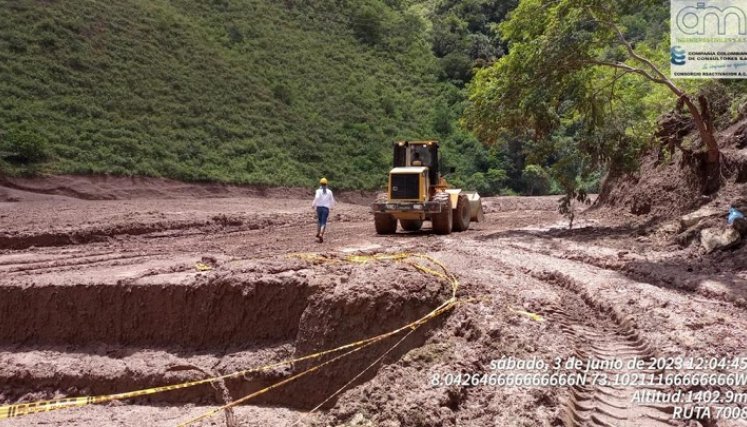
(626, 67)
(612, 83)
(662, 78)
(634, 54)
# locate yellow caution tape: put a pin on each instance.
(360, 259)
(534, 316)
(203, 267)
(444, 274)
(354, 379)
(65, 403)
(212, 412)
(414, 325)
(21, 409)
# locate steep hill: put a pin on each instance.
(244, 91)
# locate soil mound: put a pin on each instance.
(669, 182)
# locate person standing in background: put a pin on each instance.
(324, 200)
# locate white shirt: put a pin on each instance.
(325, 200)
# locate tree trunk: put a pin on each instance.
(704, 123)
(711, 169)
(701, 116)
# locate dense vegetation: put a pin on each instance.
(584, 84)
(279, 93)
(248, 91)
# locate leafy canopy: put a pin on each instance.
(562, 75)
(580, 85)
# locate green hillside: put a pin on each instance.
(282, 92)
(247, 91)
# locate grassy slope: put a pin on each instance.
(244, 90)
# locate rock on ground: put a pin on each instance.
(718, 238)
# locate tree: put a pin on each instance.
(369, 22)
(700, 113)
(567, 61)
(536, 180)
(466, 27)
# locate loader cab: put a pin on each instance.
(410, 153)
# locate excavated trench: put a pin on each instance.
(102, 338)
(218, 313)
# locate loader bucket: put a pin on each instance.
(475, 206)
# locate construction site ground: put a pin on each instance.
(171, 285)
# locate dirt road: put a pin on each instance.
(108, 296)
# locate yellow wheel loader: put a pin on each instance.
(417, 192)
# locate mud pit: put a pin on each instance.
(155, 290)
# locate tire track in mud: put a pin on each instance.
(66, 263)
(177, 228)
(603, 335)
(90, 235)
(26, 259)
(643, 275)
(598, 331)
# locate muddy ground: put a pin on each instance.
(157, 287)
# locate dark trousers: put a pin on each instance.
(322, 214)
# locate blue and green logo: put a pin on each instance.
(678, 55)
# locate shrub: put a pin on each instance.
(369, 23)
(282, 93)
(235, 35)
(24, 147)
(456, 67)
(442, 121)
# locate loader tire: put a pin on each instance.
(411, 224)
(442, 221)
(385, 223)
(462, 214)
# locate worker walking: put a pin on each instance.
(323, 202)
